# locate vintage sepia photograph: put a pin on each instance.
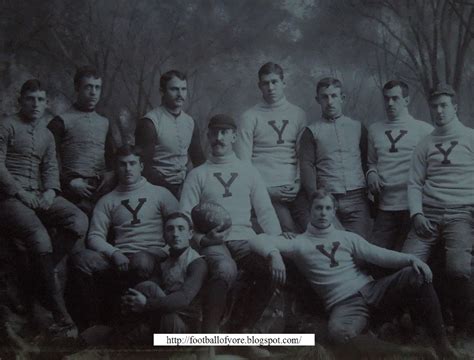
(236, 179)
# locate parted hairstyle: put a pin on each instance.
(321, 194)
(30, 86)
(179, 215)
(394, 83)
(127, 149)
(327, 82)
(167, 76)
(270, 68)
(85, 72)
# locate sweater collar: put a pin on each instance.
(82, 109)
(276, 105)
(176, 253)
(451, 128)
(226, 159)
(331, 119)
(405, 118)
(132, 187)
(314, 231)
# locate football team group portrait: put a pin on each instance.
(247, 167)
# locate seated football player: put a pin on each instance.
(29, 201)
(133, 213)
(238, 187)
(172, 304)
(84, 144)
(328, 259)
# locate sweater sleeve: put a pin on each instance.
(49, 167)
(109, 149)
(99, 227)
(416, 180)
(56, 126)
(244, 144)
(168, 203)
(264, 244)
(196, 274)
(363, 147)
(195, 151)
(8, 183)
(263, 207)
(363, 250)
(146, 139)
(307, 160)
(371, 153)
(191, 193)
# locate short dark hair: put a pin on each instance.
(179, 215)
(321, 194)
(30, 86)
(167, 76)
(85, 72)
(394, 83)
(270, 68)
(327, 82)
(127, 149)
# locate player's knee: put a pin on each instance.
(411, 277)
(143, 264)
(224, 270)
(172, 323)
(458, 270)
(79, 224)
(40, 242)
(341, 333)
(89, 261)
(150, 289)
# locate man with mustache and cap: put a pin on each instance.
(84, 144)
(169, 137)
(238, 187)
(333, 155)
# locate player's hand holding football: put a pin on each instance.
(216, 236)
(120, 260)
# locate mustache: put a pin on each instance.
(217, 142)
